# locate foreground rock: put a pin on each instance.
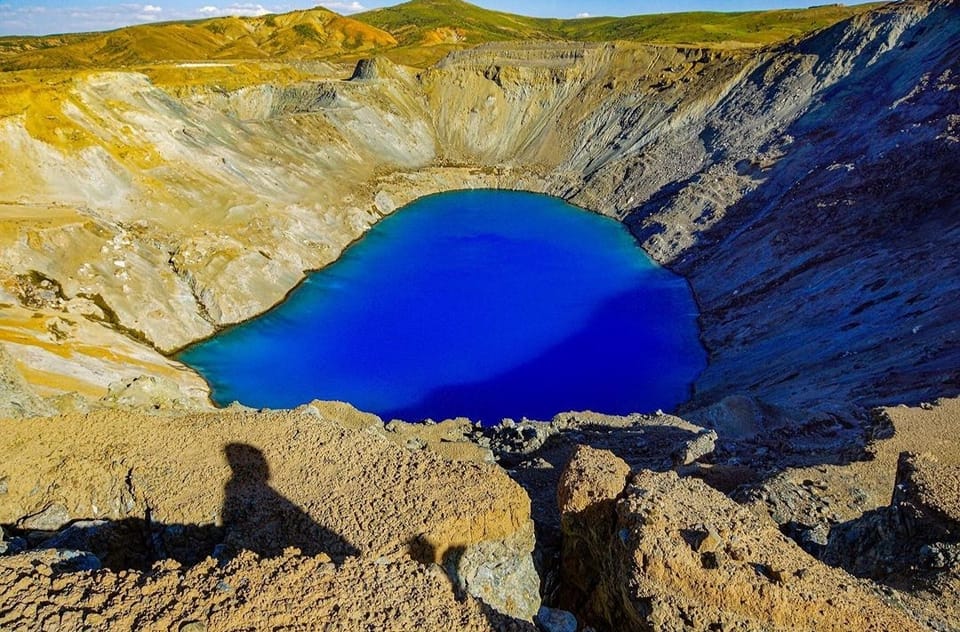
(885, 515)
(321, 479)
(665, 553)
(286, 592)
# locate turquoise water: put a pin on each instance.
(484, 304)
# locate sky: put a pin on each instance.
(40, 17)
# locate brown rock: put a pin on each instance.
(927, 495)
(287, 592)
(592, 477)
(272, 483)
(660, 574)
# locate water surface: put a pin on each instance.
(485, 304)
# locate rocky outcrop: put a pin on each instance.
(321, 479)
(670, 553)
(288, 591)
(919, 530)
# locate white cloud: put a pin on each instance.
(41, 18)
(344, 7)
(247, 9)
(583, 15)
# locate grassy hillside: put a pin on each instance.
(750, 28)
(418, 33)
(427, 21)
(316, 33)
(457, 24)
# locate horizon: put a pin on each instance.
(52, 17)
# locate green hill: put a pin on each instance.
(417, 33)
(414, 23)
(427, 29)
(745, 28)
(315, 33)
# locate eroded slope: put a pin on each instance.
(788, 184)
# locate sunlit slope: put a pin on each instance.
(417, 33)
(316, 33)
(451, 24)
(746, 28)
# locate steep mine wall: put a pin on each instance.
(808, 192)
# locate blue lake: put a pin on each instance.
(483, 304)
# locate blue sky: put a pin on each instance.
(36, 17)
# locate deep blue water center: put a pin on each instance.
(483, 304)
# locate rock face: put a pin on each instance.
(289, 591)
(665, 553)
(321, 480)
(928, 496)
(914, 542)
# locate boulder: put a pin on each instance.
(556, 620)
(677, 555)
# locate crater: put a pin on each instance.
(483, 304)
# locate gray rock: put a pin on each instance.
(524, 438)
(75, 561)
(51, 518)
(554, 620)
(501, 574)
(78, 535)
(701, 445)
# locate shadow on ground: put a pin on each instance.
(255, 518)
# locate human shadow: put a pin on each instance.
(426, 553)
(255, 518)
